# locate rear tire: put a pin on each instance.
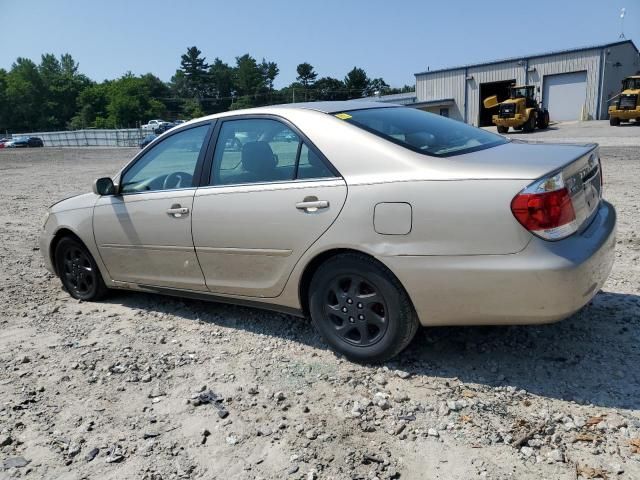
(361, 309)
(78, 271)
(502, 129)
(543, 120)
(614, 121)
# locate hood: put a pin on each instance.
(85, 200)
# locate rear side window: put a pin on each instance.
(263, 150)
(421, 131)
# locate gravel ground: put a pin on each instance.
(149, 387)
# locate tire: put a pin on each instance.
(614, 121)
(502, 129)
(530, 124)
(360, 309)
(78, 271)
(543, 120)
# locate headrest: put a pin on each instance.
(258, 157)
(313, 159)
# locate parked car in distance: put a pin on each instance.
(147, 140)
(25, 142)
(3, 141)
(163, 127)
(178, 122)
(152, 125)
(443, 224)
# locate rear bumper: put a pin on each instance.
(545, 282)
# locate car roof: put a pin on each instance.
(336, 106)
(323, 107)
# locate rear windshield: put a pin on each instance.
(421, 131)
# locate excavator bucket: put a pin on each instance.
(491, 102)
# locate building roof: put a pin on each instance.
(525, 57)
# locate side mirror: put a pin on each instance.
(104, 186)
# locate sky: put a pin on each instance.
(392, 39)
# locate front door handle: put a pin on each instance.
(312, 204)
(178, 211)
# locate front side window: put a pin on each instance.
(169, 164)
(421, 131)
(262, 150)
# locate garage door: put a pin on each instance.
(564, 95)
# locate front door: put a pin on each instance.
(144, 232)
(271, 195)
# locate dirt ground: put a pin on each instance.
(137, 386)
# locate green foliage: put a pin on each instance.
(306, 74)
(195, 72)
(192, 109)
(54, 94)
(357, 83)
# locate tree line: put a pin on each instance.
(55, 95)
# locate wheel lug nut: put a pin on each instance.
(360, 317)
(349, 301)
(359, 305)
(344, 309)
(351, 320)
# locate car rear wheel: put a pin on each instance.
(361, 309)
(502, 129)
(614, 121)
(78, 271)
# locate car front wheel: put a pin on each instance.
(361, 309)
(78, 271)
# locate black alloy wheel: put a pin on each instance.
(361, 309)
(78, 271)
(356, 309)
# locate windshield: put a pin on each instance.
(520, 92)
(421, 131)
(631, 84)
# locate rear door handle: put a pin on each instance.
(178, 211)
(312, 204)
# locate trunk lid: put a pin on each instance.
(516, 160)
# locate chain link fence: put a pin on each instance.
(129, 137)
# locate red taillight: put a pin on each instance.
(545, 212)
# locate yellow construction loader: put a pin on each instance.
(520, 111)
(626, 106)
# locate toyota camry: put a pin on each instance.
(371, 219)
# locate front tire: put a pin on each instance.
(361, 309)
(614, 121)
(78, 271)
(502, 129)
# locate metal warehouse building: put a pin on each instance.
(572, 84)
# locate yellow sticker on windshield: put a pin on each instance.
(343, 116)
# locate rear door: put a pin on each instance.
(270, 195)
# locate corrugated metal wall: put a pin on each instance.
(452, 84)
(620, 61)
(586, 61)
(443, 85)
